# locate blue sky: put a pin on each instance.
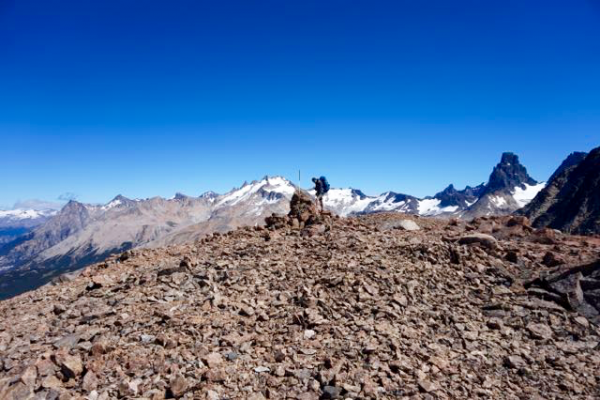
(154, 97)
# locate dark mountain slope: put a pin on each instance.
(571, 201)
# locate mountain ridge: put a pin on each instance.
(571, 200)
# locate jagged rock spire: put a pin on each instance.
(508, 174)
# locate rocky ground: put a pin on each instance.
(376, 307)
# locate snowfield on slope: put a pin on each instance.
(431, 207)
(274, 185)
(345, 201)
(524, 196)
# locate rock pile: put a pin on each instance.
(303, 214)
(357, 312)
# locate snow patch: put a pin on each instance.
(450, 209)
(387, 202)
(429, 207)
(390, 205)
(524, 196)
(498, 201)
(112, 204)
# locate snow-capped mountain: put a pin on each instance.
(267, 191)
(347, 202)
(509, 188)
(19, 221)
(22, 217)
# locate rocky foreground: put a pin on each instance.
(358, 308)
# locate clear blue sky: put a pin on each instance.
(149, 97)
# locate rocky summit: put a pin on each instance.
(319, 308)
(509, 188)
(509, 173)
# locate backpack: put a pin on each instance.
(325, 184)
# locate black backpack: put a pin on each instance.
(325, 184)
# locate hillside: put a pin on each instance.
(81, 234)
(571, 201)
(342, 308)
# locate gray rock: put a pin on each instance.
(147, 338)
(482, 239)
(332, 392)
(515, 362)
(67, 342)
(540, 331)
(403, 224)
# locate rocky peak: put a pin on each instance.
(509, 158)
(450, 197)
(449, 191)
(119, 200)
(73, 207)
(475, 191)
(358, 193)
(209, 195)
(508, 174)
(572, 160)
(180, 196)
(398, 197)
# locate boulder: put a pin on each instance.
(403, 224)
(481, 239)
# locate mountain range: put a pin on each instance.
(509, 188)
(80, 234)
